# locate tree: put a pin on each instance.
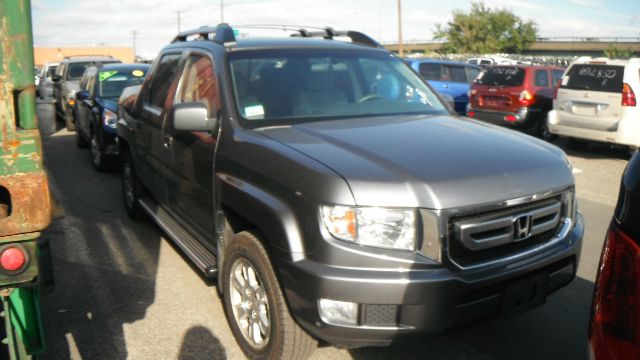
(486, 30)
(613, 52)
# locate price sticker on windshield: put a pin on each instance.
(104, 75)
(137, 73)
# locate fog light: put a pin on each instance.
(338, 312)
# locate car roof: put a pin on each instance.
(442, 61)
(84, 58)
(606, 61)
(525, 66)
(124, 67)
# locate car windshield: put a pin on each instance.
(501, 76)
(112, 82)
(286, 87)
(76, 69)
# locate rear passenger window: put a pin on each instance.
(594, 77)
(430, 71)
(454, 74)
(472, 73)
(541, 78)
(161, 79)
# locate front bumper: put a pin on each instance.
(397, 303)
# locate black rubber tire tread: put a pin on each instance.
(81, 143)
(103, 165)
(287, 339)
(135, 212)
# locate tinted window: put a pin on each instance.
(556, 75)
(292, 86)
(607, 78)
(112, 82)
(541, 78)
(161, 81)
(199, 83)
(472, 73)
(501, 76)
(52, 70)
(454, 73)
(431, 71)
(76, 69)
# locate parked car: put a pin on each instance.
(66, 82)
(96, 109)
(447, 77)
(334, 196)
(596, 101)
(615, 314)
(45, 84)
(517, 96)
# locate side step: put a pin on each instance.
(199, 255)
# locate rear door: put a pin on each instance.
(590, 97)
(189, 176)
(498, 88)
(150, 154)
(83, 107)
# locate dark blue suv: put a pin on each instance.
(448, 78)
(96, 111)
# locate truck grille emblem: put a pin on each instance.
(522, 227)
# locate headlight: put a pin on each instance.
(110, 118)
(372, 226)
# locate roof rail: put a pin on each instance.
(223, 33)
(92, 55)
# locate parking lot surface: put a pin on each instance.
(124, 291)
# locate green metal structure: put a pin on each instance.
(25, 206)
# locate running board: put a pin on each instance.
(204, 260)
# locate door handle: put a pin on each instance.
(168, 142)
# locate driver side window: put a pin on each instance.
(198, 83)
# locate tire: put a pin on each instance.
(81, 142)
(577, 144)
(543, 131)
(132, 188)
(98, 159)
(248, 277)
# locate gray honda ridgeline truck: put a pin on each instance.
(334, 195)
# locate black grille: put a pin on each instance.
(379, 315)
(465, 257)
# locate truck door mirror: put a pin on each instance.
(83, 95)
(192, 116)
(55, 78)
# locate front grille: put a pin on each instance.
(488, 236)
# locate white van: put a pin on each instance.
(596, 101)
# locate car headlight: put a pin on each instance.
(372, 226)
(109, 118)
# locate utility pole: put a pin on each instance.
(134, 33)
(400, 47)
(178, 16)
(221, 11)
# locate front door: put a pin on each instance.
(189, 178)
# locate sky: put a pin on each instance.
(65, 23)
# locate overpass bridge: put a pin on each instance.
(558, 46)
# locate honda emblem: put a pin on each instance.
(522, 227)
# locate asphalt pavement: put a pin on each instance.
(123, 291)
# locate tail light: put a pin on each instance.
(12, 259)
(526, 98)
(615, 323)
(628, 96)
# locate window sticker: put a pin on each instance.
(104, 75)
(565, 80)
(254, 112)
(137, 73)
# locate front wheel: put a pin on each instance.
(98, 159)
(132, 189)
(255, 307)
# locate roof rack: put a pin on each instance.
(92, 55)
(223, 33)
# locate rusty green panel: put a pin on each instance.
(16, 68)
(21, 154)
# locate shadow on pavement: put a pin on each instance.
(200, 343)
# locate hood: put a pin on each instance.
(435, 162)
(108, 103)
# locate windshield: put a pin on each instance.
(76, 69)
(286, 87)
(501, 76)
(112, 82)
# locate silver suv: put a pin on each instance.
(596, 101)
(67, 82)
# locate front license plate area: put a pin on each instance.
(524, 295)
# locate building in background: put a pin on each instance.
(44, 54)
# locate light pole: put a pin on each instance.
(400, 47)
(221, 11)
(134, 33)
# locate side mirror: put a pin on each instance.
(83, 95)
(55, 78)
(192, 116)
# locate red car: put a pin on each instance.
(615, 316)
(517, 96)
